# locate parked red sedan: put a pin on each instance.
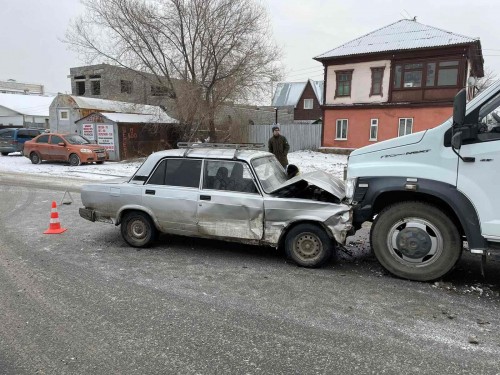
(72, 148)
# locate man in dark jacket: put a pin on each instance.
(279, 146)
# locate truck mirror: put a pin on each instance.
(456, 140)
(459, 104)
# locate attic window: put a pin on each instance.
(431, 74)
(344, 78)
(377, 77)
(308, 104)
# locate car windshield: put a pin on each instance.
(77, 140)
(270, 173)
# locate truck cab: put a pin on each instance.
(428, 192)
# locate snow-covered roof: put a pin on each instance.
(402, 35)
(28, 105)
(115, 106)
(289, 93)
(160, 118)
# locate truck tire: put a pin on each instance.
(415, 241)
(308, 245)
(137, 229)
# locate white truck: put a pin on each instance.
(428, 192)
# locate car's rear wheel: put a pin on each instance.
(74, 160)
(5, 153)
(35, 158)
(308, 245)
(99, 162)
(137, 229)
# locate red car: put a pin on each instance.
(72, 148)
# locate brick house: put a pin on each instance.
(304, 99)
(394, 81)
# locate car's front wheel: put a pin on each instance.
(35, 158)
(5, 153)
(308, 245)
(137, 229)
(74, 160)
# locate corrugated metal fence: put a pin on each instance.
(299, 136)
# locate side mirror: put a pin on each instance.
(459, 105)
(456, 140)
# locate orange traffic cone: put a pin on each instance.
(54, 226)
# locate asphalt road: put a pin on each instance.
(83, 302)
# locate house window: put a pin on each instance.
(344, 79)
(126, 87)
(95, 87)
(80, 87)
(341, 131)
(63, 115)
(161, 91)
(405, 126)
(308, 104)
(373, 129)
(377, 76)
(432, 73)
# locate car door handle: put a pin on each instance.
(150, 192)
(205, 197)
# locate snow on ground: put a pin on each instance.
(307, 161)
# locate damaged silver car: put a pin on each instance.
(231, 192)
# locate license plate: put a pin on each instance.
(100, 155)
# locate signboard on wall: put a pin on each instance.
(105, 136)
(88, 131)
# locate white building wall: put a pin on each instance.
(360, 84)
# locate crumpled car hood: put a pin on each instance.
(320, 179)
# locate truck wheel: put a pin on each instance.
(308, 245)
(138, 229)
(415, 241)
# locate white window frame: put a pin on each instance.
(342, 122)
(61, 111)
(310, 104)
(374, 124)
(405, 119)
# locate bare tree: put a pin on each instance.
(485, 81)
(205, 52)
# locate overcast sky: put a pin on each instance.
(30, 32)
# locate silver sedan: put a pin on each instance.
(228, 193)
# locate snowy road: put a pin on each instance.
(84, 302)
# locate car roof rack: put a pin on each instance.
(237, 146)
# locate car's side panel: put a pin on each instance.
(231, 214)
(174, 207)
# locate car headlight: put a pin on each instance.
(350, 185)
(86, 150)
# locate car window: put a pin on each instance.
(55, 139)
(7, 134)
(43, 139)
(77, 140)
(177, 172)
(270, 172)
(23, 134)
(228, 175)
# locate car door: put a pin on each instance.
(42, 146)
(55, 150)
(171, 193)
(230, 205)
